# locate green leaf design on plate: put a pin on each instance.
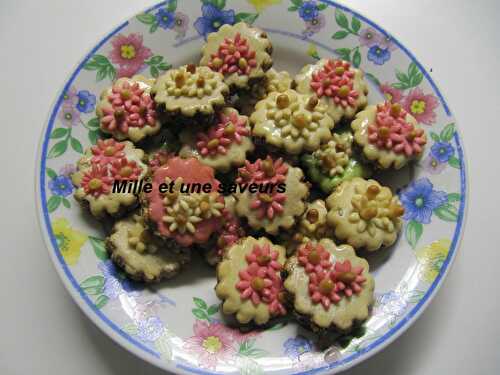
(172, 5)
(66, 203)
(146, 18)
(341, 19)
(414, 296)
(276, 327)
(412, 78)
(344, 53)
(101, 301)
(321, 6)
(200, 314)
(434, 137)
(356, 58)
(220, 4)
(355, 24)
(200, 303)
(154, 71)
(53, 202)
(164, 66)
(454, 162)
(454, 197)
(58, 149)
(59, 133)
(93, 285)
(76, 145)
(102, 65)
(155, 60)
(297, 3)
(50, 172)
(246, 17)
(248, 349)
(213, 309)
(99, 247)
(447, 133)
(131, 329)
(413, 232)
(341, 34)
(93, 136)
(93, 124)
(162, 345)
(447, 212)
(372, 78)
(293, 8)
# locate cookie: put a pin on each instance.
(190, 94)
(329, 287)
(103, 164)
(365, 214)
(292, 122)
(127, 111)
(140, 254)
(249, 281)
(266, 206)
(337, 84)
(334, 162)
(223, 145)
(240, 52)
(389, 136)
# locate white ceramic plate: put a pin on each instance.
(176, 325)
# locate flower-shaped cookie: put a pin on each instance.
(292, 121)
(222, 145)
(103, 164)
(268, 207)
(249, 281)
(365, 214)
(240, 52)
(334, 163)
(142, 255)
(339, 86)
(190, 91)
(388, 135)
(127, 111)
(330, 286)
(178, 212)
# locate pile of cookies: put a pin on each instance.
(232, 118)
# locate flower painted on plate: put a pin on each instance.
(68, 115)
(295, 347)
(85, 101)
(442, 151)
(164, 18)
(378, 55)
(315, 25)
(115, 283)
(432, 257)
(61, 185)
(433, 165)
(391, 303)
(67, 170)
(421, 106)
(212, 19)
(69, 241)
(260, 5)
(211, 343)
(391, 94)
(129, 53)
(181, 23)
(368, 37)
(386, 41)
(150, 329)
(69, 97)
(308, 10)
(420, 199)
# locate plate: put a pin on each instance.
(176, 325)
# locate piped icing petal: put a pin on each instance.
(127, 111)
(292, 121)
(338, 85)
(249, 281)
(241, 53)
(365, 214)
(388, 135)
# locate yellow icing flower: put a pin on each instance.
(69, 241)
(260, 5)
(432, 258)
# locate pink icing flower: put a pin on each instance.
(263, 256)
(421, 106)
(130, 107)
(314, 258)
(129, 53)
(96, 181)
(277, 298)
(123, 169)
(391, 94)
(335, 80)
(255, 283)
(159, 159)
(268, 205)
(106, 151)
(231, 231)
(233, 56)
(211, 343)
(391, 131)
(348, 279)
(323, 290)
(263, 171)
